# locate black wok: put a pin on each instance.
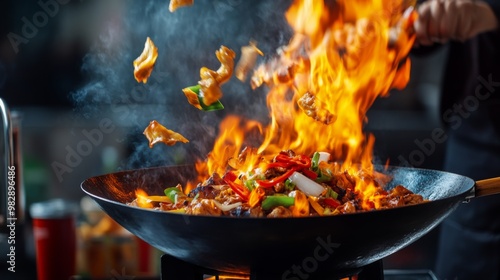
(287, 245)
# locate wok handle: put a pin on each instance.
(487, 187)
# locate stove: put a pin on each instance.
(175, 269)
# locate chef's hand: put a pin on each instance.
(440, 21)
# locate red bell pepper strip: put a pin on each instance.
(309, 173)
(276, 180)
(279, 164)
(332, 202)
(241, 190)
(301, 161)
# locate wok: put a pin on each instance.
(310, 244)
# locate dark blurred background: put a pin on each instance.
(67, 65)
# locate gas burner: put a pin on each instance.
(175, 269)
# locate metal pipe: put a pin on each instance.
(8, 147)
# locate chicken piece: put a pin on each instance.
(212, 80)
(247, 60)
(156, 132)
(313, 108)
(203, 207)
(280, 212)
(192, 98)
(175, 4)
(143, 65)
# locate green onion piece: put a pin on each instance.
(331, 193)
(277, 200)
(172, 192)
(315, 162)
(217, 105)
(289, 186)
(322, 177)
(250, 184)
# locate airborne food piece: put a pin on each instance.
(196, 99)
(289, 185)
(143, 65)
(212, 80)
(247, 60)
(175, 4)
(156, 133)
(205, 96)
(310, 105)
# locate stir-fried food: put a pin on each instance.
(156, 133)
(247, 60)
(175, 4)
(212, 80)
(205, 96)
(289, 185)
(143, 65)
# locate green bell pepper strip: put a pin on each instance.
(172, 192)
(217, 105)
(277, 200)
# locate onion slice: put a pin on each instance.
(225, 208)
(306, 185)
(323, 156)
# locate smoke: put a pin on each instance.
(187, 40)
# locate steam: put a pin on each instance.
(186, 41)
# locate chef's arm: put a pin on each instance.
(440, 21)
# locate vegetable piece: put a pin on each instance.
(299, 161)
(331, 193)
(158, 198)
(323, 156)
(172, 193)
(194, 98)
(256, 196)
(289, 186)
(306, 185)
(228, 207)
(241, 190)
(277, 200)
(332, 202)
(155, 133)
(315, 205)
(315, 161)
(276, 180)
(310, 174)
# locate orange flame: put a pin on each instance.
(142, 199)
(342, 57)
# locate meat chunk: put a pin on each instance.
(212, 80)
(208, 192)
(143, 65)
(175, 4)
(203, 207)
(156, 133)
(314, 109)
(280, 212)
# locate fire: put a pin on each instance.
(343, 56)
(142, 199)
